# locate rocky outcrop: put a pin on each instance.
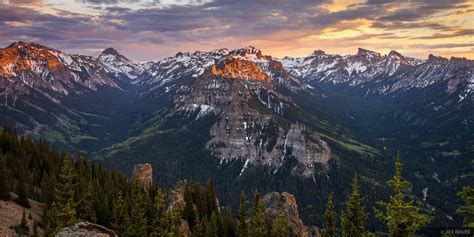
(144, 172)
(86, 229)
(11, 213)
(276, 203)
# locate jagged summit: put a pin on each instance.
(368, 53)
(318, 52)
(436, 59)
(110, 51)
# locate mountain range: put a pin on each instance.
(247, 120)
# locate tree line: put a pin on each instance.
(74, 189)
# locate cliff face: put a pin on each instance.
(242, 92)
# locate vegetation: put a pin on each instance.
(402, 217)
(354, 216)
(74, 189)
(329, 227)
(467, 211)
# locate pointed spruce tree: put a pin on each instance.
(22, 192)
(160, 215)
(120, 219)
(280, 226)
(138, 221)
(354, 216)
(402, 217)
(329, 227)
(62, 212)
(22, 229)
(4, 189)
(467, 211)
(258, 223)
(86, 204)
(242, 228)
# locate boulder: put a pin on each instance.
(86, 229)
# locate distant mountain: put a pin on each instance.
(247, 120)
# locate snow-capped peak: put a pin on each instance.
(118, 64)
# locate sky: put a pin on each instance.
(147, 30)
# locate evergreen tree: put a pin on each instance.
(160, 216)
(120, 214)
(62, 212)
(402, 217)
(86, 204)
(22, 192)
(138, 222)
(258, 224)
(242, 216)
(22, 229)
(175, 217)
(229, 224)
(212, 226)
(329, 227)
(353, 218)
(4, 190)
(280, 227)
(467, 211)
(35, 229)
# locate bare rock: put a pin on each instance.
(86, 229)
(276, 203)
(145, 173)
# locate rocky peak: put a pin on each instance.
(367, 53)
(277, 203)
(144, 172)
(249, 50)
(395, 54)
(436, 59)
(318, 53)
(111, 54)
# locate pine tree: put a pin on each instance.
(86, 204)
(353, 218)
(138, 222)
(62, 212)
(35, 229)
(212, 226)
(22, 192)
(402, 217)
(242, 216)
(120, 214)
(4, 190)
(329, 227)
(229, 224)
(175, 216)
(22, 229)
(258, 224)
(280, 227)
(160, 216)
(467, 211)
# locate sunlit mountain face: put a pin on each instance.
(286, 96)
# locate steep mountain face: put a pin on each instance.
(228, 90)
(47, 70)
(65, 98)
(247, 120)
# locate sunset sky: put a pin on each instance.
(147, 30)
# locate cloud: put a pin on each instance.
(186, 24)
